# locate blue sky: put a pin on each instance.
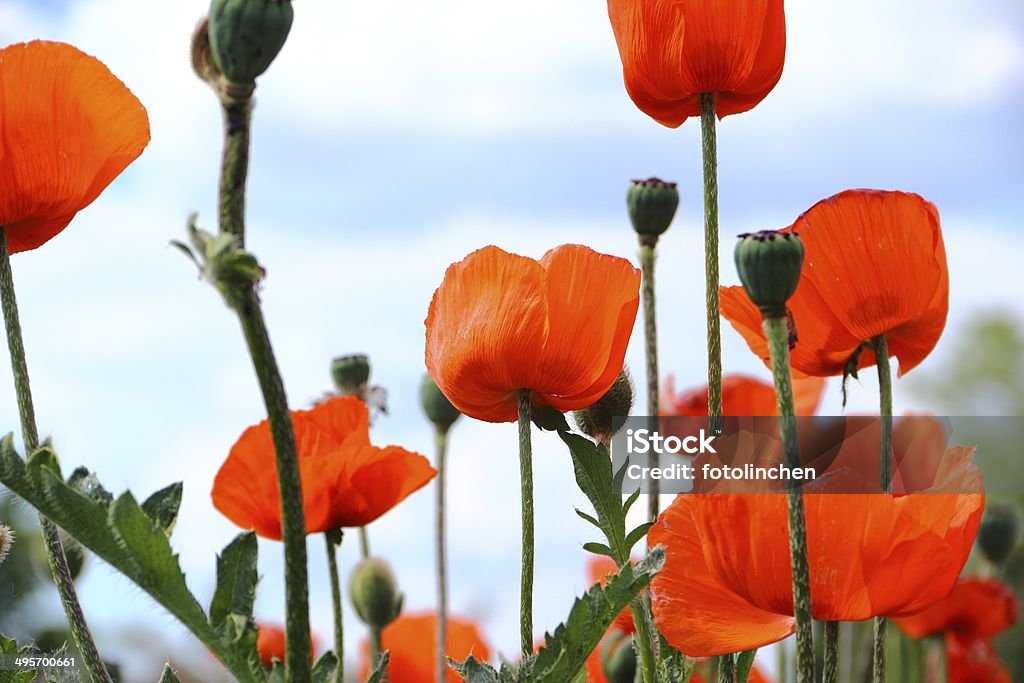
(392, 139)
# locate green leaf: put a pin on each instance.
(323, 670)
(636, 534)
(277, 673)
(236, 579)
(629, 501)
(168, 676)
(162, 506)
(379, 674)
(744, 663)
(475, 671)
(673, 666)
(565, 652)
(598, 549)
(589, 518)
(593, 469)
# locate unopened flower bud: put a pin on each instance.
(373, 590)
(6, 541)
(769, 264)
(598, 420)
(246, 36)
(351, 374)
(652, 205)
(999, 532)
(438, 409)
(618, 660)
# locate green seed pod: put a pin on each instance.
(246, 35)
(351, 374)
(373, 590)
(598, 420)
(769, 264)
(618, 660)
(999, 532)
(651, 204)
(438, 409)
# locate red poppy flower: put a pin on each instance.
(558, 327)
(270, 644)
(672, 51)
(411, 639)
(975, 608)
(346, 482)
(973, 660)
(742, 396)
(69, 128)
(726, 586)
(599, 569)
(874, 264)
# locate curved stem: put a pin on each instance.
(647, 246)
(51, 536)
(831, 665)
(526, 483)
(364, 542)
(709, 148)
(375, 636)
(778, 347)
(881, 350)
(441, 439)
(339, 626)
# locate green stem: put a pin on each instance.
(364, 542)
(906, 661)
(726, 669)
(709, 148)
(526, 483)
(831, 673)
(778, 347)
(782, 661)
(441, 439)
(375, 647)
(644, 638)
(333, 541)
(234, 170)
(881, 350)
(647, 245)
(26, 410)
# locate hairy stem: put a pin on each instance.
(58, 561)
(235, 165)
(881, 350)
(727, 669)
(375, 635)
(647, 246)
(644, 638)
(526, 482)
(831, 667)
(709, 148)
(778, 347)
(441, 439)
(339, 626)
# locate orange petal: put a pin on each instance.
(69, 128)
(411, 639)
(767, 68)
(485, 330)
(973, 660)
(340, 419)
(245, 488)
(977, 607)
(592, 305)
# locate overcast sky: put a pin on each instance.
(391, 139)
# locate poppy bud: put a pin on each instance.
(373, 590)
(769, 264)
(999, 532)
(438, 409)
(6, 541)
(618, 660)
(596, 421)
(652, 205)
(351, 374)
(246, 35)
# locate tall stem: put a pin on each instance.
(364, 542)
(332, 541)
(727, 669)
(526, 483)
(375, 649)
(709, 147)
(234, 170)
(441, 439)
(647, 245)
(26, 410)
(778, 347)
(881, 350)
(645, 635)
(831, 673)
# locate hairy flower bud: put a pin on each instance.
(597, 420)
(651, 204)
(373, 590)
(438, 409)
(618, 660)
(351, 374)
(246, 36)
(769, 263)
(6, 541)
(999, 532)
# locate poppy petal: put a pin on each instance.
(411, 640)
(977, 607)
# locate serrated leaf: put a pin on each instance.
(744, 663)
(85, 482)
(323, 670)
(475, 671)
(599, 549)
(162, 507)
(379, 673)
(236, 579)
(673, 666)
(636, 534)
(565, 652)
(589, 518)
(168, 676)
(593, 470)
